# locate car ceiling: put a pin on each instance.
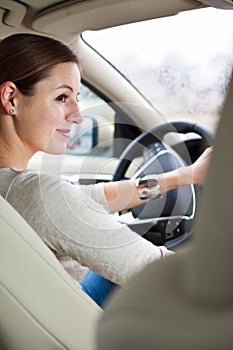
(64, 19)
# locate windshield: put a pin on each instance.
(182, 63)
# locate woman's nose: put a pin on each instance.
(75, 116)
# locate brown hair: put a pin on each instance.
(25, 59)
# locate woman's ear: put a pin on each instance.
(7, 97)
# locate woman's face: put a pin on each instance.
(45, 119)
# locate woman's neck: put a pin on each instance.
(7, 161)
(13, 152)
(13, 155)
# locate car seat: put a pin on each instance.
(186, 300)
(41, 307)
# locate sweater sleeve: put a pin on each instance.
(74, 222)
(96, 192)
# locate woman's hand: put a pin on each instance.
(200, 166)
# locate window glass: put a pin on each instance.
(182, 63)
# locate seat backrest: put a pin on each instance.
(41, 307)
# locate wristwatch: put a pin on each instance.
(148, 187)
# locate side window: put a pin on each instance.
(95, 134)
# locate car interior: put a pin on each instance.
(182, 302)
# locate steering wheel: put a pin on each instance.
(167, 220)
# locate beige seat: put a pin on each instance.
(185, 302)
(41, 307)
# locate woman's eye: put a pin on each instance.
(62, 98)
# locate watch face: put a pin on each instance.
(152, 183)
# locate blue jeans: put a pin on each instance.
(97, 287)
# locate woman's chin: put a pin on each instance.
(56, 149)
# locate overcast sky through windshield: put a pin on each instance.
(211, 26)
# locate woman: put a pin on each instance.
(39, 87)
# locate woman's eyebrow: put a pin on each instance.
(64, 86)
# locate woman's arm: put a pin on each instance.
(122, 195)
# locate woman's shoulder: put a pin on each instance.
(28, 180)
(36, 175)
(30, 176)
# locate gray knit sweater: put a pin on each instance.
(75, 222)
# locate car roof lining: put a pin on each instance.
(64, 19)
(80, 16)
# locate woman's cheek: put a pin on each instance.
(58, 117)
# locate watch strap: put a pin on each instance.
(148, 187)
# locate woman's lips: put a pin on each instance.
(64, 132)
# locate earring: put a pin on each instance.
(11, 111)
